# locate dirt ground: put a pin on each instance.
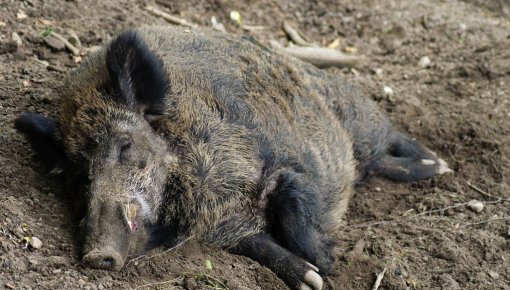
(423, 233)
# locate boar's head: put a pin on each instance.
(105, 132)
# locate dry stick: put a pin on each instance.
(482, 192)
(380, 276)
(323, 57)
(158, 283)
(159, 254)
(318, 56)
(505, 218)
(68, 45)
(296, 36)
(408, 217)
(169, 17)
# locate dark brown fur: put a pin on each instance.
(244, 143)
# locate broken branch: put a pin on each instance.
(168, 17)
(68, 45)
(319, 56)
(378, 280)
(296, 36)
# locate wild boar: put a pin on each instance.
(180, 133)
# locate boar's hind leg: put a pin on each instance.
(408, 160)
(294, 271)
(294, 215)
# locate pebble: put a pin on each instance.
(54, 43)
(16, 38)
(388, 91)
(57, 271)
(379, 72)
(493, 275)
(475, 205)
(35, 242)
(424, 62)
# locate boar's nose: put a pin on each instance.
(106, 259)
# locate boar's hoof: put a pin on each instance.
(441, 166)
(106, 259)
(312, 281)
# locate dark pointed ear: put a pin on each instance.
(44, 137)
(138, 77)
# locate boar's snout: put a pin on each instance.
(105, 258)
(107, 234)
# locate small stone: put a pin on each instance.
(54, 43)
(379, 72)
(16, 38)
(390, 95)
(493, 275)
(378, 189)
(475, 205)
(33, 262)
(460, 216)
(35, 242)
(21, 15)
(57, 271)
(424, 62)
(217, 25)
(508, 233)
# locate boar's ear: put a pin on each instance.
(138, 77)
(44, 137)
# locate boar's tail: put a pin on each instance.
(407, 160)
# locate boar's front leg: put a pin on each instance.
(295, 219)
(294, 271)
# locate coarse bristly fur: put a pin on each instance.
(194, 133)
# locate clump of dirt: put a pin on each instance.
(447, 67)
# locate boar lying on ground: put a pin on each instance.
(193, 133)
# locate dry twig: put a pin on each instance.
(168, 17)
(161, 283)
(319, 56)
(378, 280)
(296, 36)
(159, 254)
(505, 218)
(483, 192)
(70, 46)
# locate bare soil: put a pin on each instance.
(423, 233)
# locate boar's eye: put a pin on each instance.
(124, 150)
